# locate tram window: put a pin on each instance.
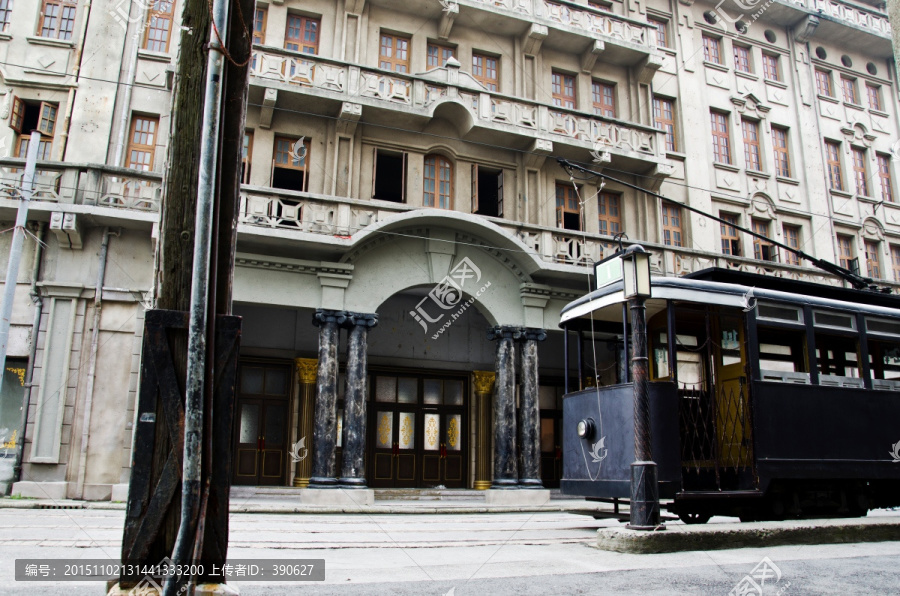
(838, 356)
(730, 348)
(884, 358)
(780, 313)
(833, 319)
(782, 350)
(883, 326)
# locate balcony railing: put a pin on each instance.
(864, 18)
(420, 93)
(84, 184)
(132, 191)
(343, 218)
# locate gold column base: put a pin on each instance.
(482, 484)
(301, 482)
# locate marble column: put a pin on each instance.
(353, 471)
(484, 386)
(529, 411)
(306, 377)
(325, 430)
(505, 468)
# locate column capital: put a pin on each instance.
(484, 381)
(504, 332)
(322, 316)
(306, 370)
(354, 319)
(533, 334)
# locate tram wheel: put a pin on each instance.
(694, 518)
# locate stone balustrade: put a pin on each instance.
(865, 18)
(421, 93)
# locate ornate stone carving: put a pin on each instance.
(483, 380)
(306, 370)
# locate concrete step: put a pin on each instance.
(381, 494)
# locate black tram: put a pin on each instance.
(770, 398)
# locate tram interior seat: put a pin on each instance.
(799, 378)
(885, 385)
(839, 381)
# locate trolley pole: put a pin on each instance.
(15, 251)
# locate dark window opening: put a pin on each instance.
(884, 359)
(571, 221)
(288, 179)
(782, 350)
(487, 192)
(390, 176)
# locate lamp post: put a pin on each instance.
(644, 486)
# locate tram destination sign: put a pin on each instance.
(608, 271)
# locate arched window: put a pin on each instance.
(438, 191)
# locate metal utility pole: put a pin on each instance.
(15, 251)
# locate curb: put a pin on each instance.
(679, 538)
(258, 507)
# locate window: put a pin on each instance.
(731, 243)
(859, 172)
(671, 224)
(5, 12)
(394, 53)
(438, 191)
(290, 170)
(845, 252)
(721, 148)
(389, 179)
(874, 94)
(884, 175)
(33, 115)
(833, 161)
(750, 131)
(662, 37)
(604, 99)
(302, 34)
(487, 191)
(781, 350)
(609, 215)
(567, 213)
(142, 143)
(780, 149)
(563, 90)
(246, 156)
(823, 83)
(260, 16)
(712, 49)
(792, 239)
(762, 250)
(664, 119)
(58, 19)
(873, 263)
(742, 58)
(159, 26)
(437, 55)
(851, 95)
(770, 67)
(837, 356)
(486, 70)
(895, 260)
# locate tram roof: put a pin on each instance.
(733, 288)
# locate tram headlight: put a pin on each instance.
(585, 428)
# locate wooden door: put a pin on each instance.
(261, 431)
(732, 392)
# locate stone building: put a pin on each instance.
(400, 161)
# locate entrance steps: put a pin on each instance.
(381, 494)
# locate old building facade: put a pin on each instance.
(402, 196)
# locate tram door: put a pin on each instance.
(732, 391)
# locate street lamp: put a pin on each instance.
(644, 486)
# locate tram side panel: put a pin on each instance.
(599, 464)
(816, 432)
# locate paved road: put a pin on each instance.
(495, 554)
